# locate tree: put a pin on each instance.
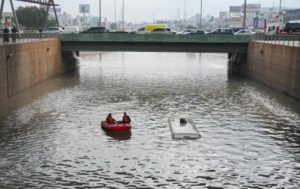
(113, 26)
(32, 17)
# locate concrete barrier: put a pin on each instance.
(275, 65)
(26, 64)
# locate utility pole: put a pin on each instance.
(200, 15)
(280, 5)
(100, 20)
(245, 12)
(123, 16)
(115, 11)
(184, 12)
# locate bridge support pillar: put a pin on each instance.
(237, 63)
(70, 60)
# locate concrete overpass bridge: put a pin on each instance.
(154, 43)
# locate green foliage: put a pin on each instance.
(113, 26)
(32, 17)
(50, 23)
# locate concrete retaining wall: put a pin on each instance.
(25, 65)
(277, 66)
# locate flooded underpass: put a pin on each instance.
(50, 134)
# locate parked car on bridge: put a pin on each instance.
(192, 31)
(187, 31)
(245, 32)
(236, 29)
(200, 32)
(96, 30)
(291, 27)
(149, 28)
(222, 31)
(53, 30)
(162, 31)
(273, 28)
(71, 29)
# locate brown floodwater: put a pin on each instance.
(50, 134)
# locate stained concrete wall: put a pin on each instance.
(25, 65)
(275, 65)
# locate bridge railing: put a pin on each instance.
(6, 39)
(152, 38)
(288, 40)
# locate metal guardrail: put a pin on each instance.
(288, 40)
(7, 39)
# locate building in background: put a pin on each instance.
(252, 12)
(223, 21)
(291, 15)
(235, 16)
(67, 19)
(7, 19)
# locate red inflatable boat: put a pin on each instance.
(116, 127)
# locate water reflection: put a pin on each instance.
(70, 79)
(119, 135)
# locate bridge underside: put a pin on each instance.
(155, 47)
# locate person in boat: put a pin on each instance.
(110, 119)
(126, 118)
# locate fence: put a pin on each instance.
(6, 39)
(288, 40)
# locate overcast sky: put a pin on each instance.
(146, 10)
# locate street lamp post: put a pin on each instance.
(245, 12)
(280, 6)
(100, 20)
(123, 17)
(200, 15)
(184, 12)
(115, 11)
